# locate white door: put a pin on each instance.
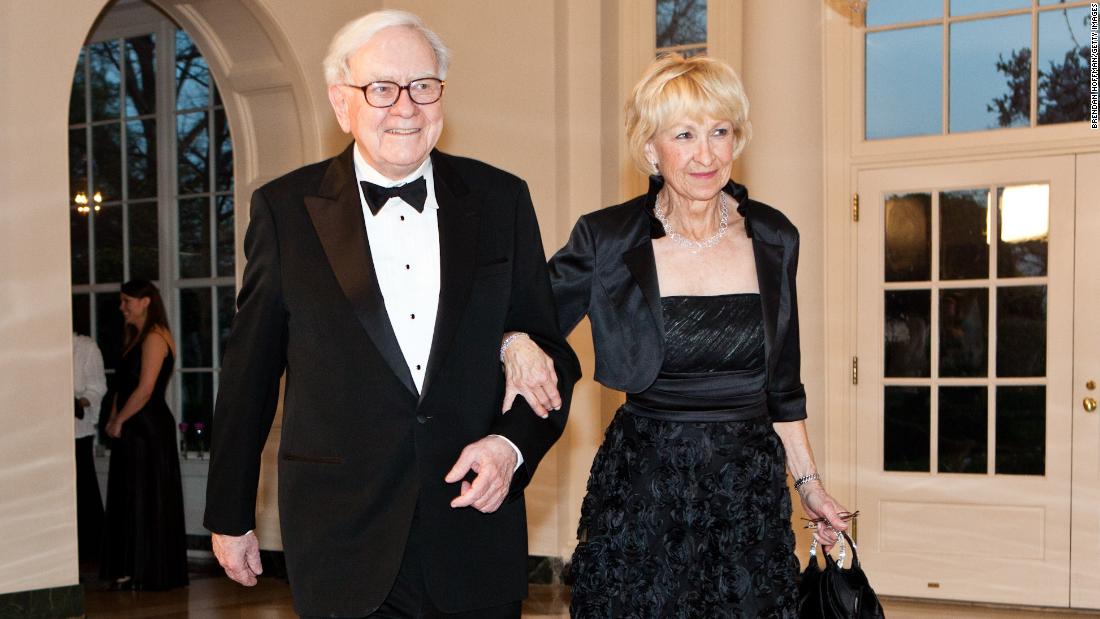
(965, 408)
(1085, 583)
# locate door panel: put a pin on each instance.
(963, 425)
(1085, 584)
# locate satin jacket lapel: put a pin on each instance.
(769, 275)
(337, 215)
(457, 254)
(643, 266)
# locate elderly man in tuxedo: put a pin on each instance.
(380, 282)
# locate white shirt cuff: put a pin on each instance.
(519, 456)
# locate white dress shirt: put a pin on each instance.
(404, 245)
(89, 381)
(405, 250)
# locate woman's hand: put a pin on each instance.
(818, 505)
(529, 372)
(114, 427)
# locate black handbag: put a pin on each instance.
(835, 592)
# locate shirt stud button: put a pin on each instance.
(412, 316)
(421, 419)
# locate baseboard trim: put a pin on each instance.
(53, 603)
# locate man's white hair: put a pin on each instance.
(357, 33)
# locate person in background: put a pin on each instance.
(144, 542)
(89, 387)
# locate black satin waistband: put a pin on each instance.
(707, 397)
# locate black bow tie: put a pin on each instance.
(414, 193)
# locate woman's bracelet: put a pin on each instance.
(508, 342)
(801, 481)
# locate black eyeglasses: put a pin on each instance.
(424, 91)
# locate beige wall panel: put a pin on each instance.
(37, 495)
(783, 166)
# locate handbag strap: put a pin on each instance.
(842, 537)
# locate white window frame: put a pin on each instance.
(123, 22)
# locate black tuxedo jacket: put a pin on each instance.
(361, 450)
(607, 271)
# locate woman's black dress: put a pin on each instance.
(687, 512)
(144, 535)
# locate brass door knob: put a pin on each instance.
(1090, 404)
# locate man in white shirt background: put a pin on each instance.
(89, 387)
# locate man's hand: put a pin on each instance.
(529, 372)
(239, 555)
(494, 461)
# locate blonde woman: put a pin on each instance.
(690, 290)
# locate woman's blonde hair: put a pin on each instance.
(674, 87)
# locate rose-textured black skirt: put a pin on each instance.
(686, 520)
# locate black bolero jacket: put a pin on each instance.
(608, 272)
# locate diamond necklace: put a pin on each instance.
(695, 246)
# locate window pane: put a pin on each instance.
(192, 75)
(193, 152)
(144, 241)
(907, 343)
(908, 237)
(108, 244)
(680, 22)
(82, 314)
(106, 82)
(883, 12)
(991, 73)
(904, 74)
(906, 428)
(108, 322)
(1021, 430)
(76, 98)
(964, 328)
(223, 153)
(194, 237)
(226, 248)
(963, 429)
(964, 234)
(141, 158)
(141, 77)
(198, 401)
(78, 245)
(1064, 66)
(78, 162)
(196, 328)
(1022, 331)
(1023, 225)
(107, 161)
(970, 7)
(227, 310)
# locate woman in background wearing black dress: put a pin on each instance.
(690, 290)
(144, 542)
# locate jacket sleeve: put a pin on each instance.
(571, 276)
(532, 311)
(786, 394)
(255, 358)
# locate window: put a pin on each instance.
(682, 27)
(151, 176)
(972, 69)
